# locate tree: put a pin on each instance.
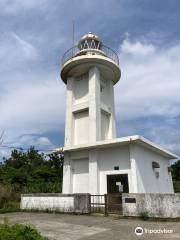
(32, 171)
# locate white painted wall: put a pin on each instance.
(110, 157)
(89, 108)
(81, 124)
(67, 174)
(64, 204)
(89, 169)
(94, 105)
(147, 182)
(81, 89)
(105, 118)
(105, 92)
(80, 169)
(94, 171)
(69, 107)
(107, 100)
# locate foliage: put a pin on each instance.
(8, 197)
(176, 186)
(176, 175)
(29, 172)
(144, 215)
(32, 171)
(19, 232)
(9, 209)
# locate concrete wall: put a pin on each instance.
(79, 203)
(156, 205)
(147, 181)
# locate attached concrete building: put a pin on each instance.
(97, 162)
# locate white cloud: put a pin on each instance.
(150, 84)
(27, 140)
(137, 48)
(149, 88)
(23, 142)
(43, 142)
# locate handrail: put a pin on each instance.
(73, 52)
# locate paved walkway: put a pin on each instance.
(74, 227)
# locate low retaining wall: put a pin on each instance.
(77, 203)
(154, 204)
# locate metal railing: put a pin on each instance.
(105, 51)
(107, 203)
(98, 204)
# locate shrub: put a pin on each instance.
(176, 186)
(144, 215)
(8, 198)
(19, 232)
(32, 172)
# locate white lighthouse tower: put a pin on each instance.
(90, 71)
(96, 161)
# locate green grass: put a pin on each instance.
(9, 210)
(19, 232)
(9, 206)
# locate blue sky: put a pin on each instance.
(35, 34)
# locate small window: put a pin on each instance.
(155, 165)
(116, 168)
